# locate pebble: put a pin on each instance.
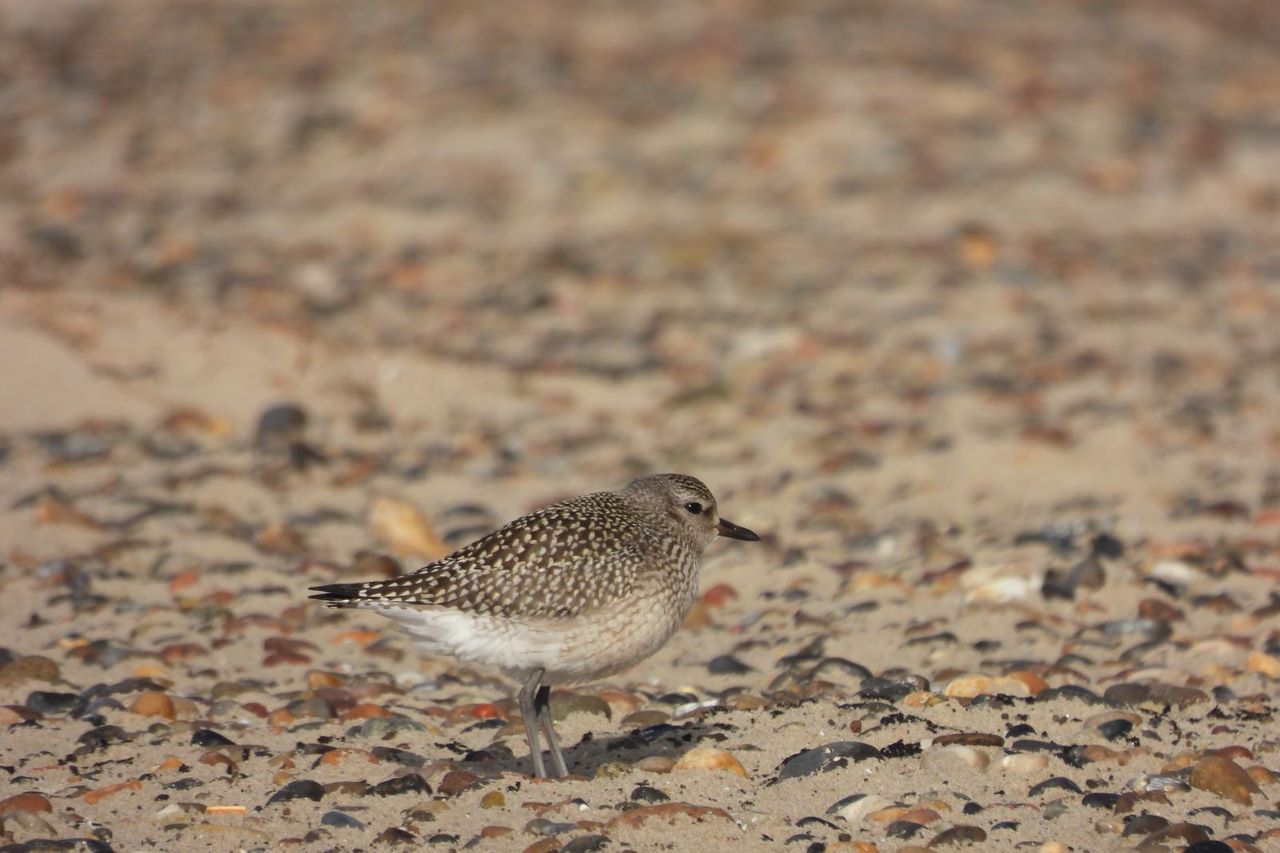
(280, 424)
(1059, 783)
(959, 753)
(586, 844)
(30, 803)
(1223, 777)
(154, 703)
(710, 758)
(406, 784)
(55, 704)
(727, 665)
(1268, 665)
(962, 834)
(563, 705)
(648, 794)
(405, 530)
(299, 789)
(29, 668)
(825, 758)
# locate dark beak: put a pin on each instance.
(733, 531)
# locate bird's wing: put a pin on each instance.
(558, 562)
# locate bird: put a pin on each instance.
(571, 593)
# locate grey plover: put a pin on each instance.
(573, 592)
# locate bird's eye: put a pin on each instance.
(693, 507)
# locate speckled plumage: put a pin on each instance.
(575, 591)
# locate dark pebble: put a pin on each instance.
(184, 784)
(827, 668)
(972, 808)
(1100, 800)
(443, 838)
(727, 665)
(1216, 811)
(1127, 694)
(1209, 847)
(51, 703)
(814, 820)
(1020, 730)
(903, 829)
(1071, 691)
(1035, 745)
(406, 784)
(280, 424)
(102, 736)
(210, 738)
(395, 835)
(586, 844)
(1054, 783)
(1115, 729)
(398, 756)
(1107, 546)
(825, 758)
(1144, 824)
(341, 820)
(299, 789)
(1005, 826)
(963, 834)
(648, 794)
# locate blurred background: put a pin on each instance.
(850, 227)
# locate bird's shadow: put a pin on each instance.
(593, 751)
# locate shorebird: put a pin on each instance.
(576, 591)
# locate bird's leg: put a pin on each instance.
(529, 711)
(542, 706)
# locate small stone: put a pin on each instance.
(154, 703)
(969, 686)
(280, 424)
(565, 704)
(969, 739)
(493, 800)
(29, 803)
(408, 783)
(1183, 833)
(656, 764)
(457, 781)
(647, 794)
(1054, 783)
(1161, 611)
(710, 758)
(299, 789)
(586, 844)
(1268, 665)
(341, 820)
(29, 668)
(54, 703)
(825, 758)
(405, 530)
(903, 829)
(395, 835)
(962, 834)
(727, 665)
(209, 738)
(966, 755)
(1224, 777)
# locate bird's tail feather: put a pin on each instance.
(337, 594)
